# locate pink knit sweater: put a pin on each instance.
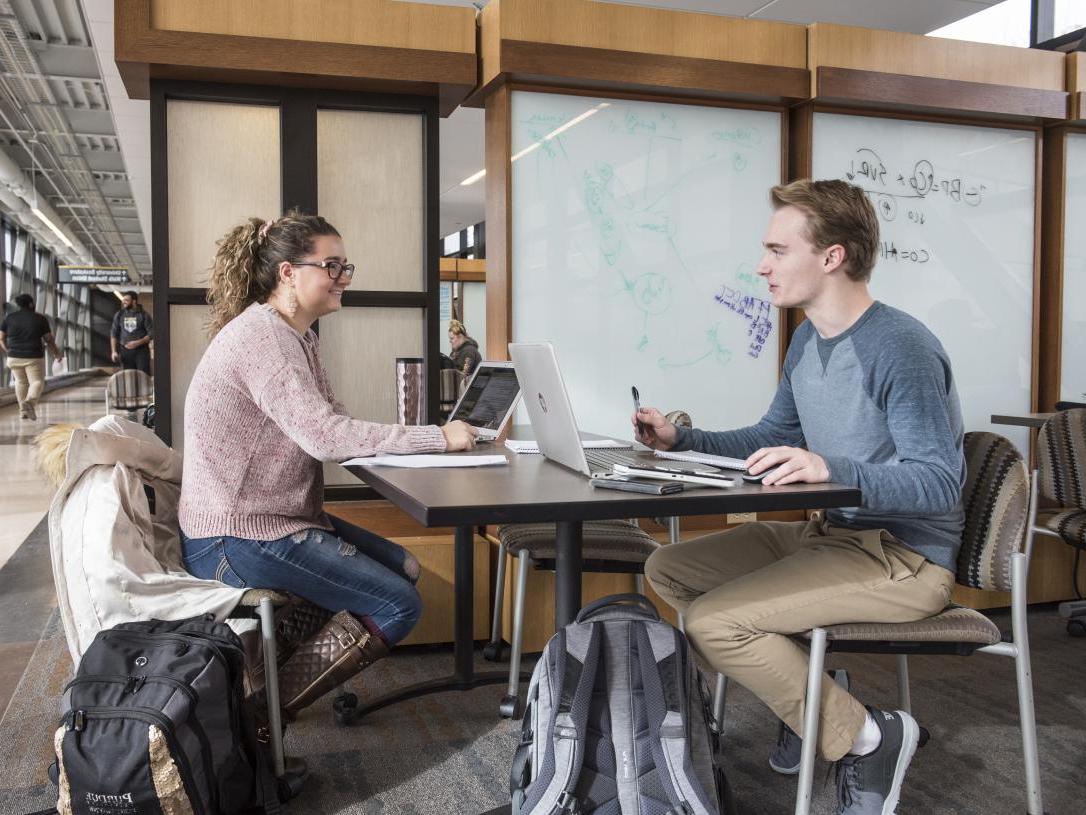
(260, 416)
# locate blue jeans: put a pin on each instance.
(348, 569)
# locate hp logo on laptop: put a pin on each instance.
(542, 402)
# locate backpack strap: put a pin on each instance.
(663, 682)
(575, 667)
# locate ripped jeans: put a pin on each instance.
(349, 568)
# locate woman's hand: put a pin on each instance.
(652, 429)
(459, 436)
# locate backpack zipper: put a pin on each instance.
(137, 680)
(77, 723)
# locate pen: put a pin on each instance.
(641, 429)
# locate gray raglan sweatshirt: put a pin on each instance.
(878, 403)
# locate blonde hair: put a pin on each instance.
(457, 327)
(51, 451)
(246, 266)
(837, 213)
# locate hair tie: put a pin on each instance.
(262, 233)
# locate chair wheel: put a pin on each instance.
(510, 707)
(343, 707)
(1076, 627)
(492, 652)
(925, 736)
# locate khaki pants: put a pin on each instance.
(743, 592)
(29, 376)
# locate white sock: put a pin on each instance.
(868, 739)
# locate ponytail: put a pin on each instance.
(246, 266)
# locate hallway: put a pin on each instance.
(24, 493)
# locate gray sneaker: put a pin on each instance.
(871, 784)
(785, 758)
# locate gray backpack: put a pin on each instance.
(617, 721)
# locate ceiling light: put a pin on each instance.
(55, 229)
(471, 179)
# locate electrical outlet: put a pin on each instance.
(742, 517)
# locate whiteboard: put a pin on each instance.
(636, 231)
(956, 215)
(1073, 356)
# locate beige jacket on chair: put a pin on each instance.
(113, 561)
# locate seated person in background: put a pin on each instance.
(260, 417)
(465, 350)
(866, 399)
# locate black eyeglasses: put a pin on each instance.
(335, 269)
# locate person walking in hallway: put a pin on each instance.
(22, 335)
(131, 335)
(866, 399)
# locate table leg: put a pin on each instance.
(464, 676)
(464, 604)
(567, 567)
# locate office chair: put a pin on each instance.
(1061, 462)
(1000, 509)
(129, 391)
(610, 547)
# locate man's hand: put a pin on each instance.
(132, 344)
(655, 430)
(459, 436)
(795, 465)
(115, 356)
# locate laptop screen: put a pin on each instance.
(489, 398)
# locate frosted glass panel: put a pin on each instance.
(223, 167)
(359, 347)
(370, 183)
(188, 341)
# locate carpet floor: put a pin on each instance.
(450, 753)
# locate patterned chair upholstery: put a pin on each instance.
(1061, 453)
(129, 391)
(603, 541)
(998, 503)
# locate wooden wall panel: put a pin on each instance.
(641, 30)
(934, 57)
(359, 22)
(499, 221)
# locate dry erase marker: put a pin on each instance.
(641, 429)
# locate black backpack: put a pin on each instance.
(155, 721)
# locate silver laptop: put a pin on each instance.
(551, 413)
(489, 399)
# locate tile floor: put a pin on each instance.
(24, 493)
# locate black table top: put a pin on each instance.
(532, 489)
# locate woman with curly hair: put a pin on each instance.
(260, 417)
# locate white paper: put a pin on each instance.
(532, 446)
(426, 461)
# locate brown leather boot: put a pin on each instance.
(342, 648)
(294, 623)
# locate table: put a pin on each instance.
(533, 489)
(1022, 419)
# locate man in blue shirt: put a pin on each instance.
(866, 399)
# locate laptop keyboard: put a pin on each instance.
(602, 459)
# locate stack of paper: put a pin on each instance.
(425, 461)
